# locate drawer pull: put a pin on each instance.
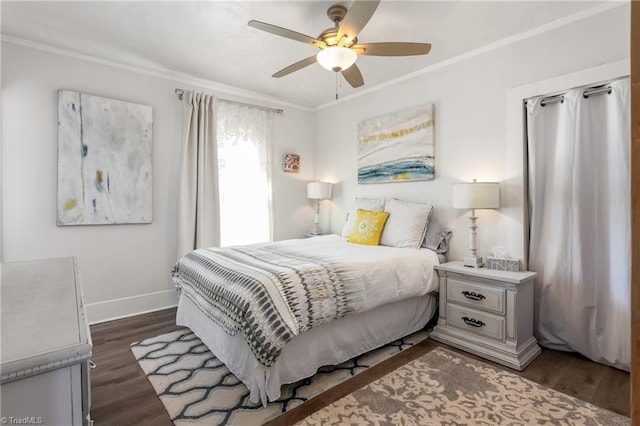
(473, 322)
(473, 296)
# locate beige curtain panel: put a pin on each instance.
(198, 211)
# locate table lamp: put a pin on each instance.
(475, 195)
(318, 191)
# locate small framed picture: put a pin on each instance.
(291, 163)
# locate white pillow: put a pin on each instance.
(407, 223)
(371, 204)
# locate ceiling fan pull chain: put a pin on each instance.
(337, 77)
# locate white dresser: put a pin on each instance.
(488, 313)
(46, 344)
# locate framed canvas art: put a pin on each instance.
(291, 163)
(397, 147)
(104, 160)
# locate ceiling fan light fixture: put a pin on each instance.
(336, 58)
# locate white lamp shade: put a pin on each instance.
(476, 195)
(336, 58)
(319, 190)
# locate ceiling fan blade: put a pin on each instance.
(357, 17)
(393, 49)
(353, 76)
(295, 67)
(283, 32)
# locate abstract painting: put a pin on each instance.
(398, 147)
(104, 160)
(291, 163)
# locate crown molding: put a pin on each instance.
(158, 72)
(558, 23)
(184, 78)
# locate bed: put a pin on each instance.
(332, 300)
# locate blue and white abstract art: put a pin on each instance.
(104, 160)
(397, 147)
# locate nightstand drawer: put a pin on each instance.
(476, 295)
(474, 321)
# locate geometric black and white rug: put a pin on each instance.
(197, 389)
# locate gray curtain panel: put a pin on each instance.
(579, 211)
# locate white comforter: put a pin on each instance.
(385, 274)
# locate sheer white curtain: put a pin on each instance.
(579, 195)
(244, 163)
(198, 210)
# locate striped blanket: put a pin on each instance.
(268, 292)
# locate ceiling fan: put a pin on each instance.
(339, 46)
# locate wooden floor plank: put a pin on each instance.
(546, 369)
(613, 391)
(580, 377)
(122, 395)
(120, 392)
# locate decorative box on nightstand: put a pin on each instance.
(488, 313)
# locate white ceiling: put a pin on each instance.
(212, 41)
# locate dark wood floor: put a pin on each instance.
(121, 394)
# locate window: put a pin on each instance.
(244, 168)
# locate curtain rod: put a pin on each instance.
(180, 93)
(552, 100)
(605, 88)
(596, 90)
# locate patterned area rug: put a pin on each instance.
(197, 389)
(445, 388)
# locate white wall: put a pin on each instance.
(470, 98)
(124, 268)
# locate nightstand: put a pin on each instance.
(488, 313)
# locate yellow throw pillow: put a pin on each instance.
(368, 227)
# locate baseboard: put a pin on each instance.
(110, 310)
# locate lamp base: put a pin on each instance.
(315, 230)
(473, 261)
